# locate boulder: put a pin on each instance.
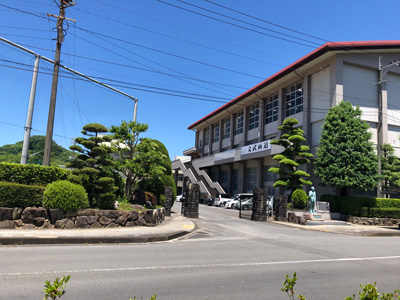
(81, 222)
(92, 219)
(47, 224)
(30, 213)
(122, 219)
(64, 224)
(55, 215)
(112, 214)
(292, 218)
(148, 215)
(6, 213)
(17, 213)
(141, 222)
(104, 221)
(112, 225)
(38, 222)
(7, 224)
(18, 223)
(133, 215)
(96, 225)
(130, 224)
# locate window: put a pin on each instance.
(235, 179)
(254, 115)
(200, 143)
(294, 99)
(269, 176)
(206, 136)
(180, 177)
(216, 133)
(271, 109)
(239, 122)
(224, 179)
(252, 178)
(227, 128)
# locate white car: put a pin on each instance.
(231, 203)
(179, 198)
(221, 199)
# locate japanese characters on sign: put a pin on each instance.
(258, 147)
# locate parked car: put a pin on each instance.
(209, 201)
(179, 198)
(231, 203)
(244, 204)
(221, 199)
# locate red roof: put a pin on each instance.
(330, 46)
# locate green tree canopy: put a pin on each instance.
(390, 167)
(93, 165)
(293, 156)
(138, 158)
(345, 156)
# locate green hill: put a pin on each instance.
(12, 153)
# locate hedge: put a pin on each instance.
(31, 174)
(65, 195)
(384, 212)
(20, 195)
(356, 206)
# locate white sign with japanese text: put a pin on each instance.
(258, 147)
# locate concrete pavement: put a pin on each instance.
(172, 227)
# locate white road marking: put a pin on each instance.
(207, 265)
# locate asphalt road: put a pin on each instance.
(226, 258)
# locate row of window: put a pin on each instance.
(293, 105)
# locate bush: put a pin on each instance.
(65, 195)
(20, 195)
(31, 174)
(106, 201)
(299, 198)
(385, 212)
(359, 206)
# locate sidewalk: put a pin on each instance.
(172, 227)
(341, 227)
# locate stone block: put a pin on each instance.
(38, 222)
(30, 213)
(104, 221)
(292, 218)
(55, 214)
(112, 225)
(18, 223)
(141, 222)
(17, 213)
(81, 222)
(96, 225)
(112, 214)
(122, 219)
(133, 215)
(7, 224)
(6, 213)
(92, 219)
(130, 224)
(148, 215)
(64, 224)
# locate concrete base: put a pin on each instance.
(313, 217)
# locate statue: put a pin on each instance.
(313, 200)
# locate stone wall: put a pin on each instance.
(39, 217)
(373, 221)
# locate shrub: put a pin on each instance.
(376, 212)
(299, 198)
(106, 201)
(31, 174)
(20, 195)
(162, 200)
(65, 195)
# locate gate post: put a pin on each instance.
(168, 200)
(259, 212)
(280, 208)
(192, 201)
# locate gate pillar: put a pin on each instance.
(260, 197)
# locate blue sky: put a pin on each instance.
(181, 59)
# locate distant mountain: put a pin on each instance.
(12, 153)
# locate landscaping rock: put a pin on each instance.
(81, 222)
(55, 215)
(47, 224)
(122, 219)
(104, 221)
(292, 217)
(17, 212)
(133, 215)
(92, 219)
(112, 225)
(130, 224)
(6, 213)
(7, 224)
(38, 222)
(18, 223)
(96, 225)
(148, 215)
(141, 222)
(64, 224)
(30, 213)
(28, 226)
(112, 214)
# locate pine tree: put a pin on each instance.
(91, 166)
(294, 155)
(345, 156)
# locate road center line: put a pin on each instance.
(206, 266)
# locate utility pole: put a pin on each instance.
(382, 104)
(28, 126)
(52, 108)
